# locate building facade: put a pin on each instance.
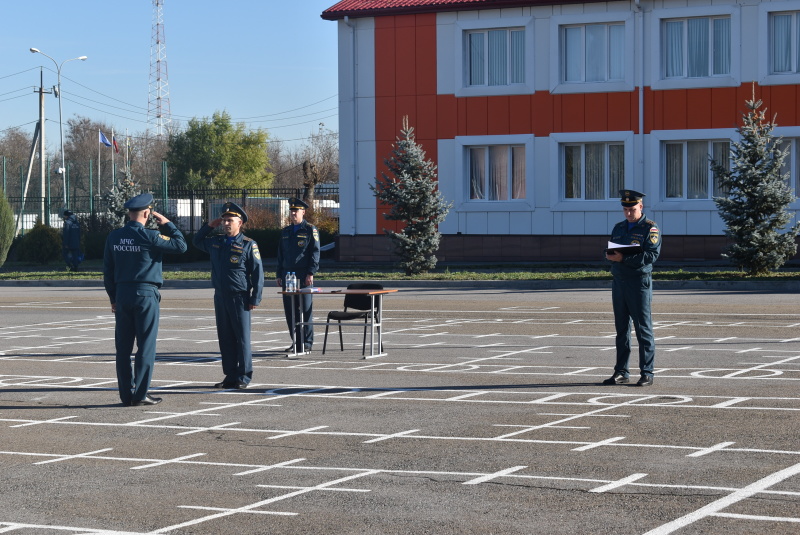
(538, 112)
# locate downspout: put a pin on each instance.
(352, 230)
(640, 17)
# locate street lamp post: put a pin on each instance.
(63, 169)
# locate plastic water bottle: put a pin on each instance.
(291, 282)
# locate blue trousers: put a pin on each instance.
(632, 298)
(137, 320)
(72, 257)
(233, 332)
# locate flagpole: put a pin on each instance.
(127, 161)
(113, 167)
(98, 161)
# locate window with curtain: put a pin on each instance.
(687, 168)
(784, 43)
(789, 169)
(593, 53)
(592, 171)
(495, 57)
(496, 172)
(696, 47)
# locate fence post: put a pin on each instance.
(244, 199)
(47, 197)
(91, 193)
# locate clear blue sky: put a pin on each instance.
(269, 63)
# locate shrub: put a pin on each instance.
(6, 228)
(42, 244)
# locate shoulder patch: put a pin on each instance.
(316, 234)
(167, 238)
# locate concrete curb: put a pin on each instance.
(737, 286)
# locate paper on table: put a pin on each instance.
(624, 249)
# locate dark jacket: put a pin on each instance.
(645, 233)
(298, 251)
(71, 233)
(236, 266)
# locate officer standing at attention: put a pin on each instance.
(298, 252)
(71, 241)
(132, 277)
(238, 278)
(632, 288)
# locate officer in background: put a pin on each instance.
(298, 252)
(132, 277)
(238, 279)
(71, 241)
(632, 288)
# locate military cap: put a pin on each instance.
(297, 204)
(66, 213)
(630, 197)
(140, 202)
(231, 208)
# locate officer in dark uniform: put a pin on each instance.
(71, 241)
(298, 252)
(132, 277)
(238, 278)
(632, 288)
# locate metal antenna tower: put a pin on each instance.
(158, 112)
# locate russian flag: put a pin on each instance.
(114, 141)
(103, 139)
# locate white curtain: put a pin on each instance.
(596, 50)
(616, 53)
(721, 155)
(722, 46)
(616, 170)
(518, 56)
(595, 170)
(498, 57)
(572, 172)
(697, 47)
(674, 49)
(674, 170)
(572, 55)
(781, 43)
(477, 173)
(697, 169)
(498, 173)
(476, 59)
(518, 173)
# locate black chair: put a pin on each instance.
(356, 307)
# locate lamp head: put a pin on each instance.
(83, 58)
(34, 50)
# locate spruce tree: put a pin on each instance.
(411, 193)
(7, 227)
(116, 198)
(757, 197)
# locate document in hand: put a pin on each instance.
(624, 249)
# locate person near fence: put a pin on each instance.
(632, 288)
(132, 276)
(237, 275)
(71, 241)
(298, 252)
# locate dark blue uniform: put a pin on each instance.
(632, 292)
(71, 241)
(237, 275)
(298, 251)
(132, 277)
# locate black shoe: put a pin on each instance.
(225, 384)
(617, 379)
(307, 349)
(148, 400)
(240, 385)
(645, 380)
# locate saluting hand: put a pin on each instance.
(160, 219)
(215, 223)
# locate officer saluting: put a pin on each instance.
(298, 252)
(632, 288)
(132, 277)
(238, 278)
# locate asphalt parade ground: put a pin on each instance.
(486, 416)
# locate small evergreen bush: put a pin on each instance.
(41, 244)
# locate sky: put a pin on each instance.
(270, 64)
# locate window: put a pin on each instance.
(784, 45)
(496, 172)
(696, 47)
(495, 57)
(593, 53)
(592, 171)
(789, 169)
(687, 168)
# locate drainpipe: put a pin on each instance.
(352, 229)
(640, 23)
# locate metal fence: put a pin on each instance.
(186, 207)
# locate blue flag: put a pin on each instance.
(104, 140)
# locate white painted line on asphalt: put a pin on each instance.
(495, 475)
(77, 456)
(168, 461)
(271, 467)
(598, 444)
(393, 435)
(299, 432)
(619, 483)
(712, 449)
(718, 505)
